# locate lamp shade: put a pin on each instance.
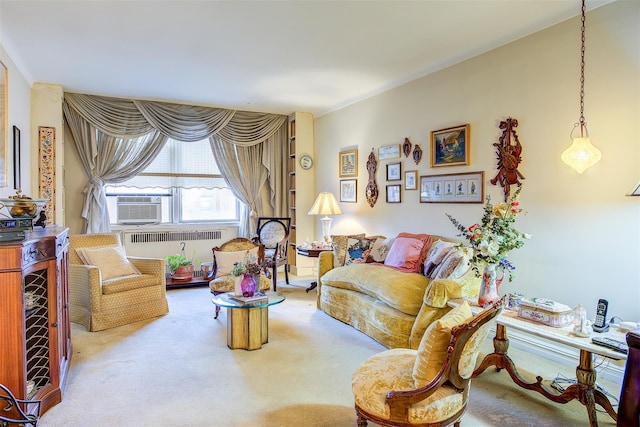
(325, 204)
(635, 191)
(581, 155)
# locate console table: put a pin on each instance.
(584, 390)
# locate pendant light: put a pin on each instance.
(581, 155)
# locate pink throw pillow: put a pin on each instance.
(427, 239)
(404, 254)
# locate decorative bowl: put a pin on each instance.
(24, 208)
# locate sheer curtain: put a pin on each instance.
(103, 126)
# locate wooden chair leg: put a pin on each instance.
(361, 422)
(286, 273)
(217, 311)
(274, 277)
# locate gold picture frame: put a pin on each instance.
(450, 146)
(348, 163)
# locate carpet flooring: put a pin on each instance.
(176, 370)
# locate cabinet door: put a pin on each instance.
(40, 328)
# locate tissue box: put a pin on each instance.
(545, 311)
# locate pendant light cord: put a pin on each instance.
(582, 32)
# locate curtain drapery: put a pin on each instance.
(245, 174)
(93, 118)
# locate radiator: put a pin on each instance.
(160, 243)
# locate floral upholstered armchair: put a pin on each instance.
(226, 256)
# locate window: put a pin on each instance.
(182, 184)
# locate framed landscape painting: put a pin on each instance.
(450, 146)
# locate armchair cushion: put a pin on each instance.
(111, 260)
(432, 351)
(391, 370)
(226, 260)
(227, 283)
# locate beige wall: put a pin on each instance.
(586, 233)
(19, 106)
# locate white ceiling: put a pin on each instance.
(270, 56)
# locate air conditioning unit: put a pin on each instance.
(139, 209)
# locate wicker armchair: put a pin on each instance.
(100, 303)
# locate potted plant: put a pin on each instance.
(180, 266)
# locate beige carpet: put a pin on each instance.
(176, 370)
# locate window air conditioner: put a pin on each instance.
(139, 209)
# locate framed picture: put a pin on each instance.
(393, 193)
(394, 171)
(411, 180)
(348, 162)
(348, 190)
(450, 147)
(17, 182)
(452, 188)
(389, 152)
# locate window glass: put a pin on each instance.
(186, 177)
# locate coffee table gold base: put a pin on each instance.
(584, 390)
(247, 329)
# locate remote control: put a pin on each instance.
(611, 343)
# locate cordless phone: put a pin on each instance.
(600, 324)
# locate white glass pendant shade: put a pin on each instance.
(581, 155)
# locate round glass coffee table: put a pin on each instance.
(247, 322)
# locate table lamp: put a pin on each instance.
(325, 204)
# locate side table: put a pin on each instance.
(311, 253)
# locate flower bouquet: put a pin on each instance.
(248, 274)
(492, 239)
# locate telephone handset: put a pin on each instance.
(600, 324)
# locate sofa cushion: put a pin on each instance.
(432, 351)
(427, 239)
(358, 249)
(340, 248)
(402, 291)
(436, 254)
(454, 264)
(380, 249)
(404, 254)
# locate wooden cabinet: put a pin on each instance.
(301, 191)
(35, 329)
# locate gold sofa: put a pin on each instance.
(99, 301)
(392, 307)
